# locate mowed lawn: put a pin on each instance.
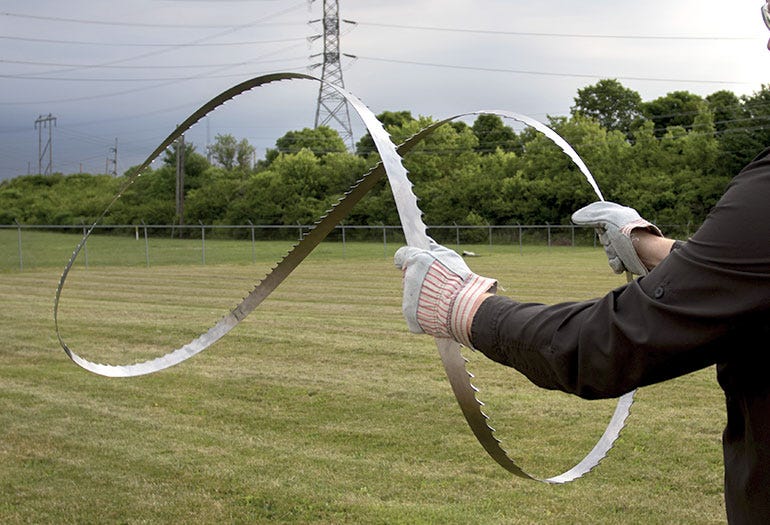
(319, 407)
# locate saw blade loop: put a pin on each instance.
(415, 232)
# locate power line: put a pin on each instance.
(396, 26)
(546, 73)
(220, 67)
(146, 44)
(127, 91)
(124, 24)
(99, 66)
(554, 35)
(230, 29)
(166, 82)
(122, 79)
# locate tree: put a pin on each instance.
(758, 107)
(320, 140)
(210, 203)
(461, 173)
(492, 133)
(56, 199)
(678, 108)
(295, 187)
(611, 104)
(732, 123)
(224, 150)
(243, 154)
(195, 165)
(389, 119)
(150, 198)
(726, 108)
(229, 153)
(169, 156)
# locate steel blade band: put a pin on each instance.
(415, 233)
(454, 362)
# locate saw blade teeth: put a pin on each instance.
(390, 155)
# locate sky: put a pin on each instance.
(121, 75)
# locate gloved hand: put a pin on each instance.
(441, 294)
(614, 224)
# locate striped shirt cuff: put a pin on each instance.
(433, 307)
(640, 223)
(465, 306)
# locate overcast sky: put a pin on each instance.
(131, 70)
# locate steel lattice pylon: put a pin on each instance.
(332, 108)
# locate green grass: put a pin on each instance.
(319, 407)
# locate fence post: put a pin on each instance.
(572, 230)
(85, 248)
(21, 260)
(253, 252)
(457, 235)
(520, 243)
(300, 230)
(384, 242)
(203, 243)
(548, 227)
(342, 225)
(490, 234)
(146, 245)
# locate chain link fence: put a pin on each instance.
(16, 246)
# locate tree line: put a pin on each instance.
(670, 158)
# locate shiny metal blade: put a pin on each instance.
(416, 235)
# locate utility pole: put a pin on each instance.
(332, 106)
(208, 140)
(114, 160)
(180, 151)
(41, 123)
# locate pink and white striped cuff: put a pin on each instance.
(436, 296)
(640, 223)
(466, 304)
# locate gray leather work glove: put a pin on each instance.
(441, 294)
(613, 224)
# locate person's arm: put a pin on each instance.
(595, 338)
(621, 229)
(700, 304)
(650, 248)
(703, 303)
(444, 298)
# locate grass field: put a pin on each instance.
(319, 407)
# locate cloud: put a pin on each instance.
(133, 70)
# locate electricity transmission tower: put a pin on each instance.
(40, 123)
(332, 106)
(113, 161)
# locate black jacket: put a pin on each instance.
(706, 303)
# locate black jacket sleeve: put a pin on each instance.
(682, 316)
